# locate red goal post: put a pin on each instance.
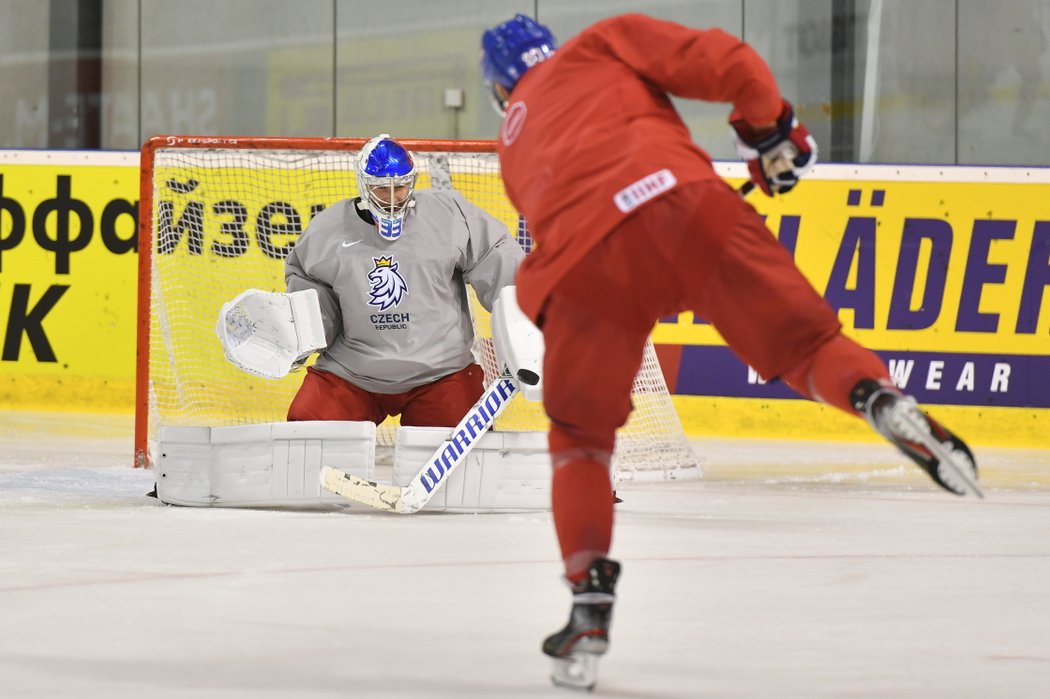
(218, 214)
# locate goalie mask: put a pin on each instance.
(509, 50)
(386, 177)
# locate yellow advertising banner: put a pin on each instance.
(68, 279)
(942, 271)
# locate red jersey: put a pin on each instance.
(591, 134)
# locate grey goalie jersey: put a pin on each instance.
(396, 313)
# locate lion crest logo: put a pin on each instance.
(388, 286)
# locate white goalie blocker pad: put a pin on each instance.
(266, 333)
(518, 343)
(504, 472)
(267, 465)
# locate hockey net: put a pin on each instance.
(218, 215)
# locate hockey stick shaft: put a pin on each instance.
(448, 456)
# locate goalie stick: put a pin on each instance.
(449, 455)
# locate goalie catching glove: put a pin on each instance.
(777, 157)
(267, 333)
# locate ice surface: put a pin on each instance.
(791, 570)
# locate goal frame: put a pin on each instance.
(146, 241)
(683, 463)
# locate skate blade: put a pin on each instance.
(951, 462)
(958, 466)
(576, 671)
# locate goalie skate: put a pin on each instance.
(941, 454)
(577, 647)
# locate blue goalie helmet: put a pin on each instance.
(386, 178)
(509, 50)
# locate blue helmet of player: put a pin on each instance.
(386, 177)
(509, 50)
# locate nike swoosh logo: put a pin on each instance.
(346, 244)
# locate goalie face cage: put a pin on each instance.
(218, 215)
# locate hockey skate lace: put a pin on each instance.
(906, 422)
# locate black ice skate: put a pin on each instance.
(942, 455)
(577, 647)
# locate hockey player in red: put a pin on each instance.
(631, 224)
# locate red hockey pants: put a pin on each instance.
(443, 403)
(699, 248)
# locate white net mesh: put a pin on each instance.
(223, 220)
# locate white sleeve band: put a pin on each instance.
(274, 464)
(265, 333)
(518, 344)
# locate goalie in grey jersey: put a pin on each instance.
(389, 268)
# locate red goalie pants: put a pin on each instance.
(443, 403)
(700, 248)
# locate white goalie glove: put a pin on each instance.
(267, 333)
(518, 343)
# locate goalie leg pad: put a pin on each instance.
(505, 471)
(274, 464)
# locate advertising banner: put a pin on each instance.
(943, 271)
(68, 238)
